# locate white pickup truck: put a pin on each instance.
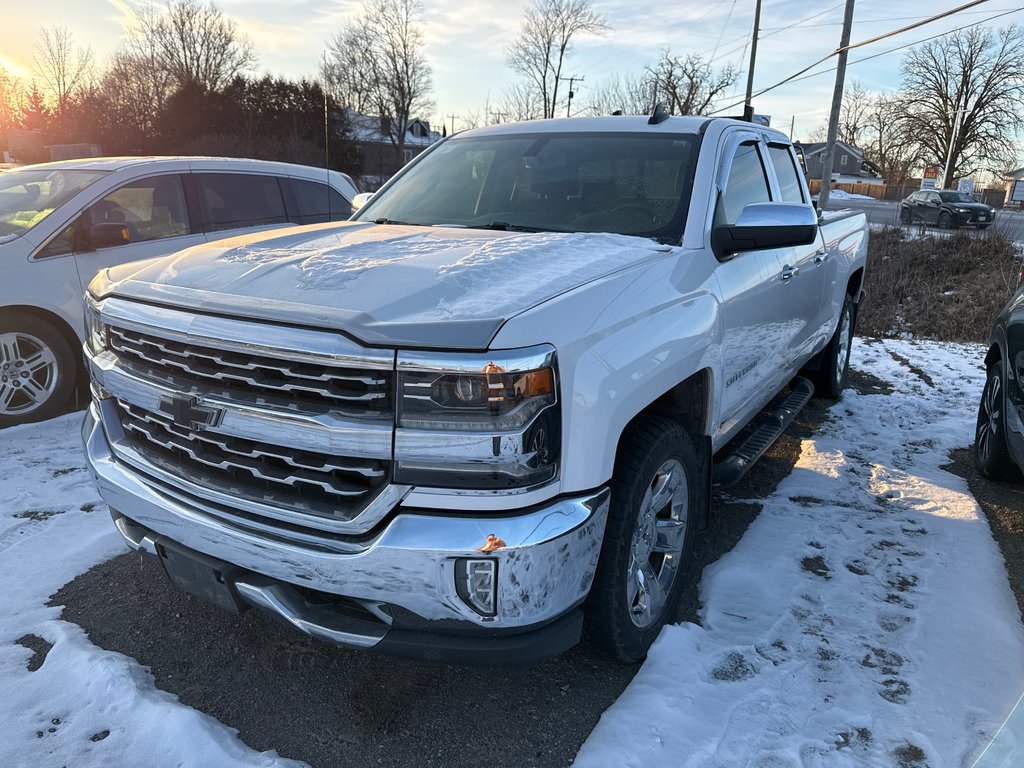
(483, 417)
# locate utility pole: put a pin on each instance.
(499, 116)
(837, 105)
(947, 169)
(573, 79)
(792, 125)
(452, 118)
(748, 108)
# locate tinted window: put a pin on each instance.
(232, 200)
(318, 203)
(152, 208)
(785, 170)
(747, 183)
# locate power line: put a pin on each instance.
(775, 30)
(875, 39)
(724, 26)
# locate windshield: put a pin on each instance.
(630, 184)
(955, 197)
(27, 197)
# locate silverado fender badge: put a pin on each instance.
(185, 411)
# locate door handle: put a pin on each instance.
(788, 273)
(821, 256)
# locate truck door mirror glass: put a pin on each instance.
(766, 225)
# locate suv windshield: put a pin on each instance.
(955, 197)
(630, 184)
(27, 197)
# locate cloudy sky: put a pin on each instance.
(466, 40)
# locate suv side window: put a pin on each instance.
(747, 182)
(235, 200)
(785, 171)
(316, 202)
(152, 208)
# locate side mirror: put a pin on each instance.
(767, 225)
(108, 234)
(360, 200)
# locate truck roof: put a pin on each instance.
(612, 124)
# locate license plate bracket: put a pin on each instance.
(201, 575)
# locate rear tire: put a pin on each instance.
(991, 456)
(647, 542)
(37, 370)
(830, 378)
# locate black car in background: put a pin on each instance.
(946, 208)
(999, 435)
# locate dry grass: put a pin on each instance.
(948, 288)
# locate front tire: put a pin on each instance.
(647, 542)
(905, 216)
(945, 221)
(37, 370)
(991, 456)
(830, 378)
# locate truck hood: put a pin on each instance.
(409, 286)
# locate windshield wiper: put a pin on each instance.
(504, 226)
(399, 223)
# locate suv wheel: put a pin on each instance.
(37, 370)
(991, 456)
(905, 216)
(638, 584)
(945, 220)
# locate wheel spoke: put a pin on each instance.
(40, 360)
(6, 397)
(664, 488)
(8, 348)
(652, 589)
(33, 391)
(670, 535)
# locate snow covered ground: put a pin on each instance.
(864, 619)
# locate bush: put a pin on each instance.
(944, 288)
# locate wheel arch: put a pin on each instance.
(60, 325)
(855, 284)
(688, 403)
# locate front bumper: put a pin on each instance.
(404, 574)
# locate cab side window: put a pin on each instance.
(790, 189)
(747, 182)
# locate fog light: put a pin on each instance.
(476, 581)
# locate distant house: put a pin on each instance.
(379, 158)
(1011, 178)
(848, 161)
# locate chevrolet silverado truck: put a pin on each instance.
(481, 419)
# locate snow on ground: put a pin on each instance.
(864, 619)
(842, 194)
(84, 706)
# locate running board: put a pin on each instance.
(733, 467)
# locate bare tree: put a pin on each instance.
(12, 95)
(545, 40)
(376, 65)
(61, 65)
(520, 102)
(687, 85)
(965, 92)
(632, 94)
(888, 141)
(197, 44)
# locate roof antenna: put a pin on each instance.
(617, 113)
(660, 114)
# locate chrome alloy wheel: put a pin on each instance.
(843, 352)
(28, 373)
(657, 546)
(990, 417)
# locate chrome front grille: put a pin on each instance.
(256, 378)
(297, 480)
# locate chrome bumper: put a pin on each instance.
(545, 567)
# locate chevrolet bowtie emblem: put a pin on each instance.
(185, 411)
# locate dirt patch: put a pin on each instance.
(916, 370)
(1003, 505)
(39, 647)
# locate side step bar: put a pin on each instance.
(733, 467)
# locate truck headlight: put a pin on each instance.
(478, 421)
(95, 329)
